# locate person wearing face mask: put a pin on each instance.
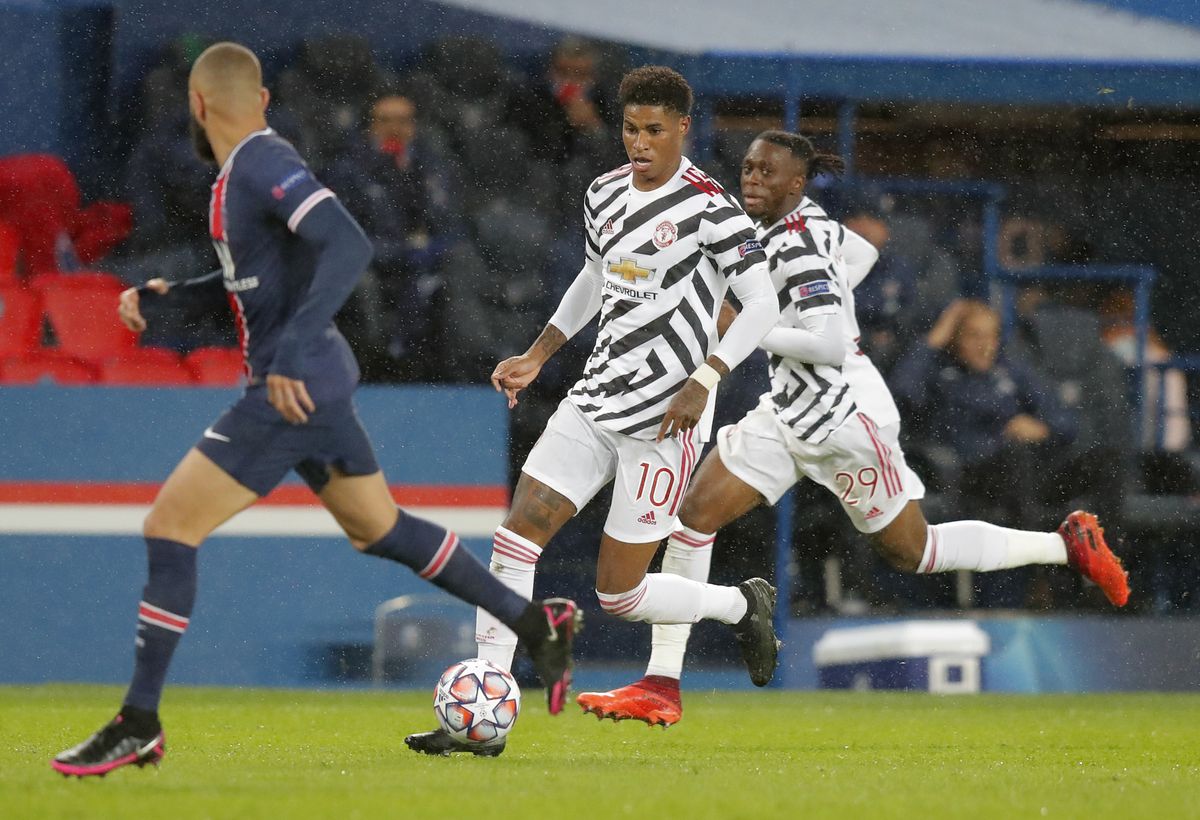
(396, 188)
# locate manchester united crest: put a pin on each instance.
(664, 234)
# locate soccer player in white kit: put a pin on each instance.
(664, 243)
(829, 417)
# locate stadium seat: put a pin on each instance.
(216, 366)
(146, 366)
(82, 308)
(20, 320)
(10, 248)
(46, 366)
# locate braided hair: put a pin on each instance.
(801, 148)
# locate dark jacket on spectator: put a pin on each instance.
(968, 410)
(392, 203)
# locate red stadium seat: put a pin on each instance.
(217, 366)
(20, 320)
(10, 248)
(146, 366)
(46, 366)
(82, 308)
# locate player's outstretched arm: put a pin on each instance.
(129, 307)
(860, 256)
(516, 373)
(579, 304)
(818, 340)
(759, 313)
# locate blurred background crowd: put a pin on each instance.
(467, 166)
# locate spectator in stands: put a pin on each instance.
(1166, 422)
(324, 95)
(168, 186)
(987, 422)
(396, 186)
(904, 293)
(566, 114)
(570, 121)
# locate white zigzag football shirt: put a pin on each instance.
(804, 249)
(666, 257)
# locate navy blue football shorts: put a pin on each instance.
(254, 444)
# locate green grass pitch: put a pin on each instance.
(298, 754)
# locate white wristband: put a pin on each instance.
(706, 375)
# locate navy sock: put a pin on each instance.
(163, 615)
(435, 554)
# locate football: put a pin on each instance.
(476, 701)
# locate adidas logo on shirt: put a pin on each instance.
(648, 518)
(608, 228)
(875, 512)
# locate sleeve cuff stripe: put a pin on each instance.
(307, 205)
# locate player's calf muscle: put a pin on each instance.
(899, 554)
(902, 542)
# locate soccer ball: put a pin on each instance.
(476, 701)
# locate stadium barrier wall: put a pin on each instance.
(280, 587)
(284, 600)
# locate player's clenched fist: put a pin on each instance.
(129, 304)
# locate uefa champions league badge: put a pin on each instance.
(664, 234)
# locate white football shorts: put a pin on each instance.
(860, 463)
(576, 457)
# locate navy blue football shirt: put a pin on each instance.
(262, 194)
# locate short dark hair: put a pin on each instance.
(657, 85)
(573, 47)
(802, 149)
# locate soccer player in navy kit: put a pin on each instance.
(290, 255)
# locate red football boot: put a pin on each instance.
(1089, 554)
(654, 700)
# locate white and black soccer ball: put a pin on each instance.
(476, 701)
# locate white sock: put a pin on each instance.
(689, 554)
(983, 547)
(514, 562)
(670, 599)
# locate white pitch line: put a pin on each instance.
(272, 520)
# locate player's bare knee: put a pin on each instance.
(363, 534)
(161, 524)
(528, 524)
(697, 515)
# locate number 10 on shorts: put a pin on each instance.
(657, 486)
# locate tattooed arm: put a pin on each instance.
(579, 304)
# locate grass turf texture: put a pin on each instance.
(257, 753)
